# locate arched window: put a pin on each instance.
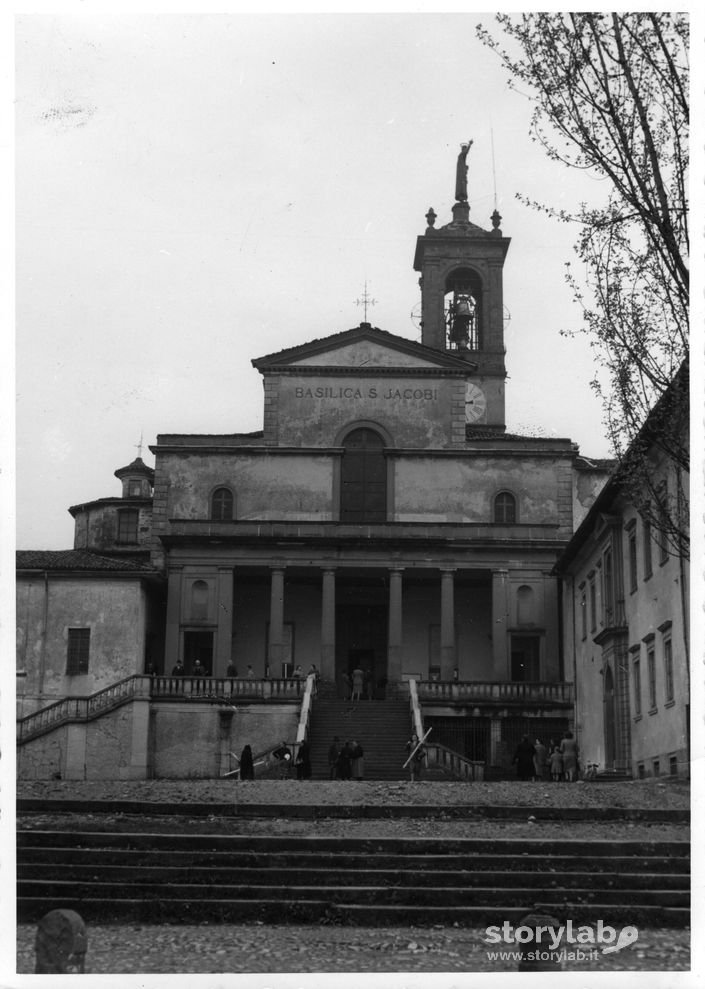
(363, 488)
(525, 605)
(222, 505)
(505, 508)
(199, 600)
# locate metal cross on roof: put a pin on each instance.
(139, 445)
(365, 300)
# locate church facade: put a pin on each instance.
(383, 518)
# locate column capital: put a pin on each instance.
(447, 569)
(396, 569)
(277, 565)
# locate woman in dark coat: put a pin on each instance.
(345, 762)
(303, 762)
(524, 759)
(247, 765)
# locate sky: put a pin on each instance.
(195, 191)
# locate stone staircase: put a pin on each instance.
(382, 727)
(191, 877)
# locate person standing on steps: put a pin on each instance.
(358, 763)
(247, 765)
(345, 762)
(540, 756)
(303, 762)
(358, 682)
(333, 755)
(569, 751)
(524, 759)
(417, 760)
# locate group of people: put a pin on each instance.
(556, 761)
(346, 760)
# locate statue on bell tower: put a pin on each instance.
(461, 174)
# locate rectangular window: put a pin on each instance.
(657, 767)
(641, 771)
(651, 669)
(668, 669)
(79, 641)
(593, 605)
(607, 589)
(673, 765)
(583, 615)
(127, 526)
(648, 565)
(632, 561)
(637, 686)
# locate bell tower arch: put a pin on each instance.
(462, 307)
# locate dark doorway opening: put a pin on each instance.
(361, 636)
(525, 657)
(198, 645)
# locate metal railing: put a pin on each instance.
(506, 692)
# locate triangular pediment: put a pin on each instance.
(364, 346)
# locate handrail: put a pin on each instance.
(456, 764)
(86, 708)
(416, 715)
(305, 714)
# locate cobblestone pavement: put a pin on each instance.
(137, 949)
(651, 793)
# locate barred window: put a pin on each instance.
(79, 640)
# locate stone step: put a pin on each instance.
(413, 847)
(57, 889)
(381, 727)
(179, 877)
(333, 874)
(275, 911)
(463, 866)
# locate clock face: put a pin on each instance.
(475, 402)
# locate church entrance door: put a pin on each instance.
(361, 641)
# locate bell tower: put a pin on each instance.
(462, 309)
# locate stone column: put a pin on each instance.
(328, 624)
(395, 630)
(224, 605)
(172, 649)
(447, 622)
(275, 652)
(500, 624)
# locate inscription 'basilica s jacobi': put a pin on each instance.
(427, 394)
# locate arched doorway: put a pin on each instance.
(363, 476)
(609, 719)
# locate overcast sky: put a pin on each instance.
(194, 191)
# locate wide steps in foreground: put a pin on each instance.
(234, 878)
